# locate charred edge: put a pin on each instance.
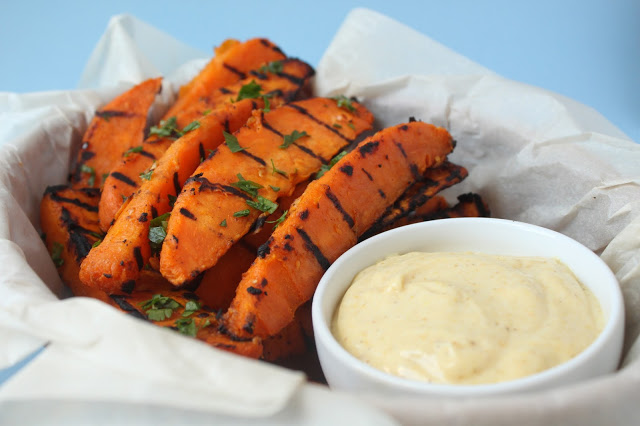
(109, 113)
(124, 179)
(368, 148)
(194, 284)
(254, 105)
(55, 188)
(248, 326)
(347, 169)
(257, 224)
(143, 217)
(476, 200)
(254, 291)
(147, 154)
(235, 71)
(265, 248)
(203, 155)
(309, 245)
(412, 119)
(415, 172)
(154, 212)
(225, 91)
(128, 286)
(186, 213)
(404, 127)
(253, 157)
(258, 75)
(222, 329)
(85, 206)
(77, 236)
(137, 253)
(303, 111)
(206, 184)
(298, 81)
(227, 126)
(176, 182)
(87, 155)
(367, 174)
(90, 192)
(126, 306)
(346, 216)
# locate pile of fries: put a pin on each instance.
(219, 220)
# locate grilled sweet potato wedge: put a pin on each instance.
(262, 162)
(327, 220)
(115, 128)
(69, 222)
(208, 90)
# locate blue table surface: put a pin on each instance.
(588, 50)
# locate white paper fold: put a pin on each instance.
(533, 156)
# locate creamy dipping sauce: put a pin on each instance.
(466, 318)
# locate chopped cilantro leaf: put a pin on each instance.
(267, 104)
(291, 138)
(344, 102)
(56, 253)
(232, 142)
(272, 67)
(223, 223)
(275, 170)
(190, 307)
(132, 150)
(146, 175)
(247, 186)
(97, 243)
(167, 129)
(275, 188)
(250, 90)
(191, 126)
(279, 220)
(158, 232)
(242, 213)
(263, 204)
(159, 307)
(186, 326)
(92, 174)
(326, 167)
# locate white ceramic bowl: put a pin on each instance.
(494, 236)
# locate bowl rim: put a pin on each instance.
(323, 335)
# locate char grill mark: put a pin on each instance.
(123, 178)
(236, 71)
(77, 235)
(322, 123)
(314, 249)
(336, 203)
(207, 185)
(123, 304)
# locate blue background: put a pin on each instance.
(588, 50)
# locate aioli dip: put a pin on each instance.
(466, 318)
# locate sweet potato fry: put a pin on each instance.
(69, 222)
(207, 91)
(434, 180)
(327, 220)
(265, 160)
(115, 128)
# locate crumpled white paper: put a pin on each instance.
(533, 155)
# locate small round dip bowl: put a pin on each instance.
(345, 372)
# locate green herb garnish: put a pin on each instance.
(132, 150)
(344, 102)
(326, 167)
(275, 170)
(291, 138)
(158, 232)
(242, 213)
(274, 67)
(146, 175)
(167, 129)
(186, 326)
(223, 223)
(190, 307)
(279, 220)
(232, 142)
(247, 186)
(250, 90)
(56, 254)
(92, 173)
(262, 204)
(275, 188)
(191, 126)
(97, 243)
(159, 307)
